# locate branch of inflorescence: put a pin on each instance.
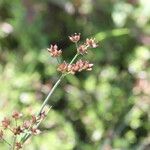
(21, 133)
(45, 103)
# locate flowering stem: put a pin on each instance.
(54, 87)
(49, 95)
(27, 135)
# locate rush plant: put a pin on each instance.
(23, 131)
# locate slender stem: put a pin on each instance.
(54, 87)
(44, 118)
(58, 60)
(77, 54)
(76, 43)
(16, 123)
(15, 138)
(27, 135)
(49, 95)
(7, 142)
(14, 142)
(74, 58)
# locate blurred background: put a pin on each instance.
(105, 109)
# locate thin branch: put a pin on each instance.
(27, 135)
(7, 142)
(14, 142)
(58, 60)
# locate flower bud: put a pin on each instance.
(16, 115)
(75, 38)
(54, 51)
(5, 122)
(82, 49)
(91, 43)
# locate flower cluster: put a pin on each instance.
(79, 66)
(91, 43)
(82, 49)
(30, 126)
(75, 38)
(11, 124)
(54, 51)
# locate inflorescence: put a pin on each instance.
(30, 127)
(80, 65)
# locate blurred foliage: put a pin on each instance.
(108, 108)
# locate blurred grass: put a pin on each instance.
(111, 33)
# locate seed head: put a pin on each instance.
(5, 122)
(75, 38)
(16, 115)
(26, 124)
(18, 130)
(54, 51)
(34, 119)
(91, 43)
(81, 65)
(84, 65)
(87, 66)
(82, 49)
(35, 131)
(18, 145)
(63, 67)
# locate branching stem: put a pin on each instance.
(27, 135)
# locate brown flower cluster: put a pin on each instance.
(82, 49)
(75, 38)
(64, 67)
(54, 51)
(28, 126)
(90, 43)
(6, 123)
(79, 66)
(18, 145)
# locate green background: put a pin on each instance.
(105, 109)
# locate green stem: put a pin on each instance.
(49, 95)
(7, 142)
(27, 135)
(77, 54)
(58, 60)
(74, 58)
(14, 142)
(76, 46)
